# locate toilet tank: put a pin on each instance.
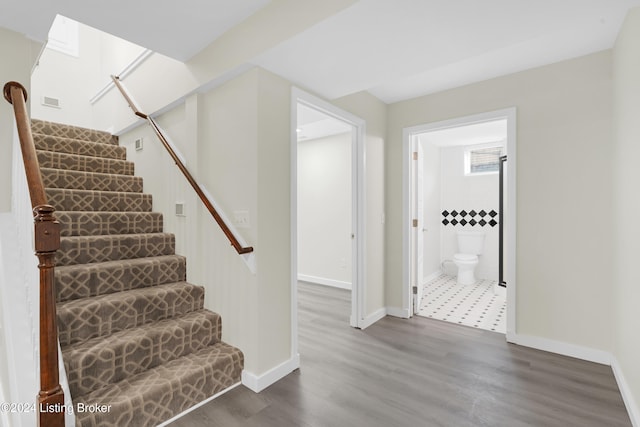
(470, 242)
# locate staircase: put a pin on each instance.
(134, 334)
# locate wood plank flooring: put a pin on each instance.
(416, 372)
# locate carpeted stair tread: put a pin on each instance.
(90, 200)
(74, 132)
(87, 318)
(83, 180)
(159, 394)
(96, 363)
(101, 223)
(89, 280)
(75, 146)
(134, 334)
(50, 159)
(91, 249)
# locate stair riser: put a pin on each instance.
(85, 200)
(81, 320)
(102, 223)
(58, 178)
(145, 348)
(74, 146)
(84, 250)
(49, 159)
(73, 132)
(166, 391)
(82, 281)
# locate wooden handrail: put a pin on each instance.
(50, 399)
(203, 197)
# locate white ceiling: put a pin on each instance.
(395, 49)
(405, 48)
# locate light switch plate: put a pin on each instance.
(241, 219)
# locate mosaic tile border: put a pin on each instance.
(471, 217)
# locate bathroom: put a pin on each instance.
(457, 178)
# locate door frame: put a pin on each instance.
(418, 229)
(358, 208)
(510, 229)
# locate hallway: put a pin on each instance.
(416, 372)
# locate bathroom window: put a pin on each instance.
(484, 160)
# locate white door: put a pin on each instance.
(418, 224)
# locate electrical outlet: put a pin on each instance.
(241, 219)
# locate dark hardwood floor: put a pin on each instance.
(416, 372)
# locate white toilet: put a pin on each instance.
(470, 245)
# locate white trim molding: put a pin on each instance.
(197, 405)
(627, 396)
(373, 318)
(257, 383)
(137, 61)
(562, 348)
(430, 277)
(402, 313)
(590, 355)
(324, 281)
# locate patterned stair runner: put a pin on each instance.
(134, 334)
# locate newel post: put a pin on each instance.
(51, 407)
(50, 399)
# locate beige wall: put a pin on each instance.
(626, 176)
(274, 219)
(374, 112)
(564, 165)
(18, 56)
(235, 141)
(241, 153)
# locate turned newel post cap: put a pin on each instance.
(47, 229)
(7, 91)
(43, 211)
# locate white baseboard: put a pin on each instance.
(562, 348)
(632, 406)
(257, 383)
(324, 281)
(431, 277)
(398, 312)
(373, 318)
(196, 406)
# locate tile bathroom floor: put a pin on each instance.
(472, 305)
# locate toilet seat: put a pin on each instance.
(465, 257)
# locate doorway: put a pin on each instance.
(327, 201)
(324, 201)
(468, 154)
